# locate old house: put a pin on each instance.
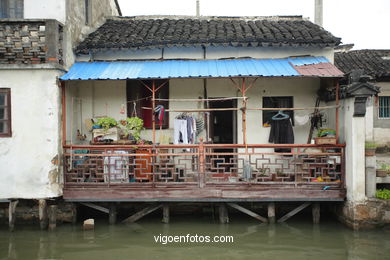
(37, 38)
(248, 85)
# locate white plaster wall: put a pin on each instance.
(25, 158)
(45, 9)
(113, 93)
(212, 53)
(92, 99)
(381, 126)
(355, 159)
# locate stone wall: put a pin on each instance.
(30, 42)
(372, 213)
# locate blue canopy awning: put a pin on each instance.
(166, 69)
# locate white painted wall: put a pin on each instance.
(45, 9)
(211, 53)
(381, 126)
(25, 158)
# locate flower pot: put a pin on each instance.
(381, 173)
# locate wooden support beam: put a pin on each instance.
(112, 214)
(74, 213)
(11, 214)
(52, 217)
(294, 211)
(97, 207)
(165, 218)
(223, 213)
(316, 213)
(248, 212)
(271, 212)
(43, 219)
(142, 213)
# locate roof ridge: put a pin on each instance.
(191, 17)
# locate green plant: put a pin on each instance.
(135, 125)
(107, 122)
(370, 145)
(383, 194)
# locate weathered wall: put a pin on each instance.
(26, 157)
(381, 126)
(45, 9)
(76, 25)
(99, 98)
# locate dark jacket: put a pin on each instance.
(281, 133)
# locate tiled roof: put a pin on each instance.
(156, 32)
(375, 63)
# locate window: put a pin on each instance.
(5, 112)
(384, 107)
(139, 96)
(11, 8)
(271, 102)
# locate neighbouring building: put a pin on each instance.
(37, 38)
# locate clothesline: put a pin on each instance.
(200, 99)
(236, 109)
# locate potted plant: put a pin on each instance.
(383, 171)
(106, 122)
(134, 126)
(370, 148)
(383, 194)
(325, 136)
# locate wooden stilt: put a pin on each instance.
(223, 214)
(11, 214)
(316, 213)
(248, 212)
(294, 211)
(97, 207)
(165, 218)
(112, 214)
(142, 213)
(43, 220)
(52, 217)
(271, 213)
(74, 213)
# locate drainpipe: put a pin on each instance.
(197, 8)
(318, 12)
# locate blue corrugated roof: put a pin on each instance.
(188, 68)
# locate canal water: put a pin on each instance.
(296, 239)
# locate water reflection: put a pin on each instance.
(291, 240)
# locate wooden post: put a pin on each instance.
(271, 212)
(202, 159)
(52, 217)
(142, 213)
(11, 214)
(63, 113)
(223, 214)
(165, 218)
(74, 213)
(112, 214)
(243, 91)
(337, 111)
(43, 221)
(316, 213)
(153, 107)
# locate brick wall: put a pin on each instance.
(30, 42)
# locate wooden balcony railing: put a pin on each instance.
(204, 165)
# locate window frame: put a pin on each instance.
(379, 107)
(273, 112)
(7, 107)
(18, 13)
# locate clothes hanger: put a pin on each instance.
(280, 116)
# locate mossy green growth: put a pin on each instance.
(383, 194)
(106, 122)
(370, 145)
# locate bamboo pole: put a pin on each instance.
(236, 109)
(337, 110)
(294, 108)
(196, 110)
(153, 107)
(199, 99)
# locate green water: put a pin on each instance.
(296, 239)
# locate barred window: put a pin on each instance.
(384, 107)
(11, 8)
(5, 112)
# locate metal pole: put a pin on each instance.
(153, 107)
(337, 110)
(243, 88)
